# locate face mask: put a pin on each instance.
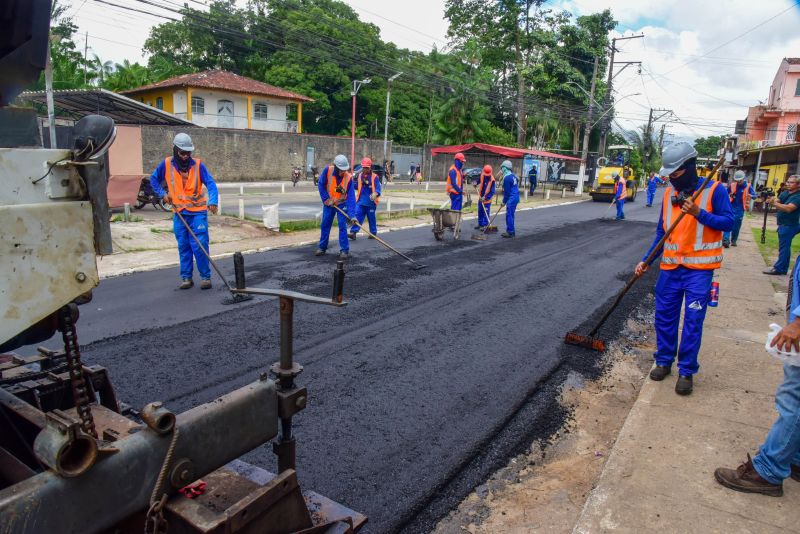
(687, 181)
(459, 164)
(506, 171)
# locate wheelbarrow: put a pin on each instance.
(445, 218)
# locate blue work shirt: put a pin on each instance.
(159, 176)
(789, 218)
(721, 219)
(618, 190)
(366, 190)
(487, 192)
(454, 180)
(794, 307)
(510, 189)
(736, 203)
(322, 186)
(653, 184)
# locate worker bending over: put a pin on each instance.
(620, 194)
(510, 197)
(689, 257)
(486, 191)
(185, 178)
(336, 189)
(368, 192)
(455, 182)
(740, 192)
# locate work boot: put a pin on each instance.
(351, 236)
(773, 271)
(320, 252)
(795, 472)
(344, 254)
(684, 385)
(660, 372)
(186, 283)
(370, 237)
(506, 234)
(205, 283)
(747, 480)
(733, 244)
(726, 243)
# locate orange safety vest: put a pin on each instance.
(332, 185)
(459, 180)
(745, 194)
(485, 192)
(185, 189)
(692, 244)
(624, 194)
(374, 178)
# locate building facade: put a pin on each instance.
(776, 122)
(222, 99)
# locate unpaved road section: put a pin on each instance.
(424, 385)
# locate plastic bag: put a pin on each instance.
(271, 219)
(791, 358)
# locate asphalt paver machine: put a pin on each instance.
(72, 460)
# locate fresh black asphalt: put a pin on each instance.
(419, 389)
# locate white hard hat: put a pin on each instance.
(615, 174)
(507, 164)
(738, 176)
(676, 155)
(183, 142)
(341, 162)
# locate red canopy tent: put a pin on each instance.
(505, 151)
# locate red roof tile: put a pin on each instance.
(225, 81)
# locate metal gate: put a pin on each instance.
(403, 157)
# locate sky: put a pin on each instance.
(705, 61)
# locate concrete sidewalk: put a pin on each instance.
(659, 475)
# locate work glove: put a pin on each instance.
(373, 197)
(166, 199)
(330, 202)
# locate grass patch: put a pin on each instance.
(121, 218)
(161, 230)
(298, 226)
(769, 249)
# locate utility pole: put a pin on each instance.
(356, 86)
(587, 131)
(85, 54)
(48, 85)
(386, 124)
(609, 84)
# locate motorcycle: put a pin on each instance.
(146, 195)
(295, 176)
(315, 175)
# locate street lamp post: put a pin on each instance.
(386, 124)
(356, 86)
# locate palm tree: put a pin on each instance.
(101, 69)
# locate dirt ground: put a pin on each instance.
(544, 490)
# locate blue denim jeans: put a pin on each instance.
(785, 236)
(781, 449)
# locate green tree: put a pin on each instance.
(708, 146)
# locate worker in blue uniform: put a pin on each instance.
(620, 194)
(740, 192)
(368, 192)
(689, 257)
(510, 197)
(185, 178)
(652, 186)
(486, 190)
(455, 182)
(336, 189)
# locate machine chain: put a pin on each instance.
(155, 522)
(80, 391)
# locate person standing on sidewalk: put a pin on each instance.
(486, 191)
(510, 197)
(336, 189)
(620, 194)
(368, 192)
(740, 192)
(788, 222)
(778, 457)
(533, 178)
(185, 178)
(455, 182)
(689, 257)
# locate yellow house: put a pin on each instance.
(222, 99)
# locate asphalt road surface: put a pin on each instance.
(425, 384)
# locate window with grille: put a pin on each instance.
(160, 103)
(198, 105)
(260, 112)
(791, 133)
(797, 88)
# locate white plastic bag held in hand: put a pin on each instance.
(792, 358)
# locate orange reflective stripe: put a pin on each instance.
(691, 244)
(459, 180)
(332, 184)
(185, 194)
(483, 192)
(745, 193)
(624, 194)
(374, 178)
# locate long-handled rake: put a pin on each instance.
(590, 341)
(416, 265)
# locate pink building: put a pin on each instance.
(776, 122)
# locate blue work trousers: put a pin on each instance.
(368, 211)
(620, 206)
(510, 211)
(785, 236)
(733, 235)
(483, 213)
(455, 201)
(328, 213)
(781, 449)
(188, 247)
(650, 196)
(674, 287)
(533, 186)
